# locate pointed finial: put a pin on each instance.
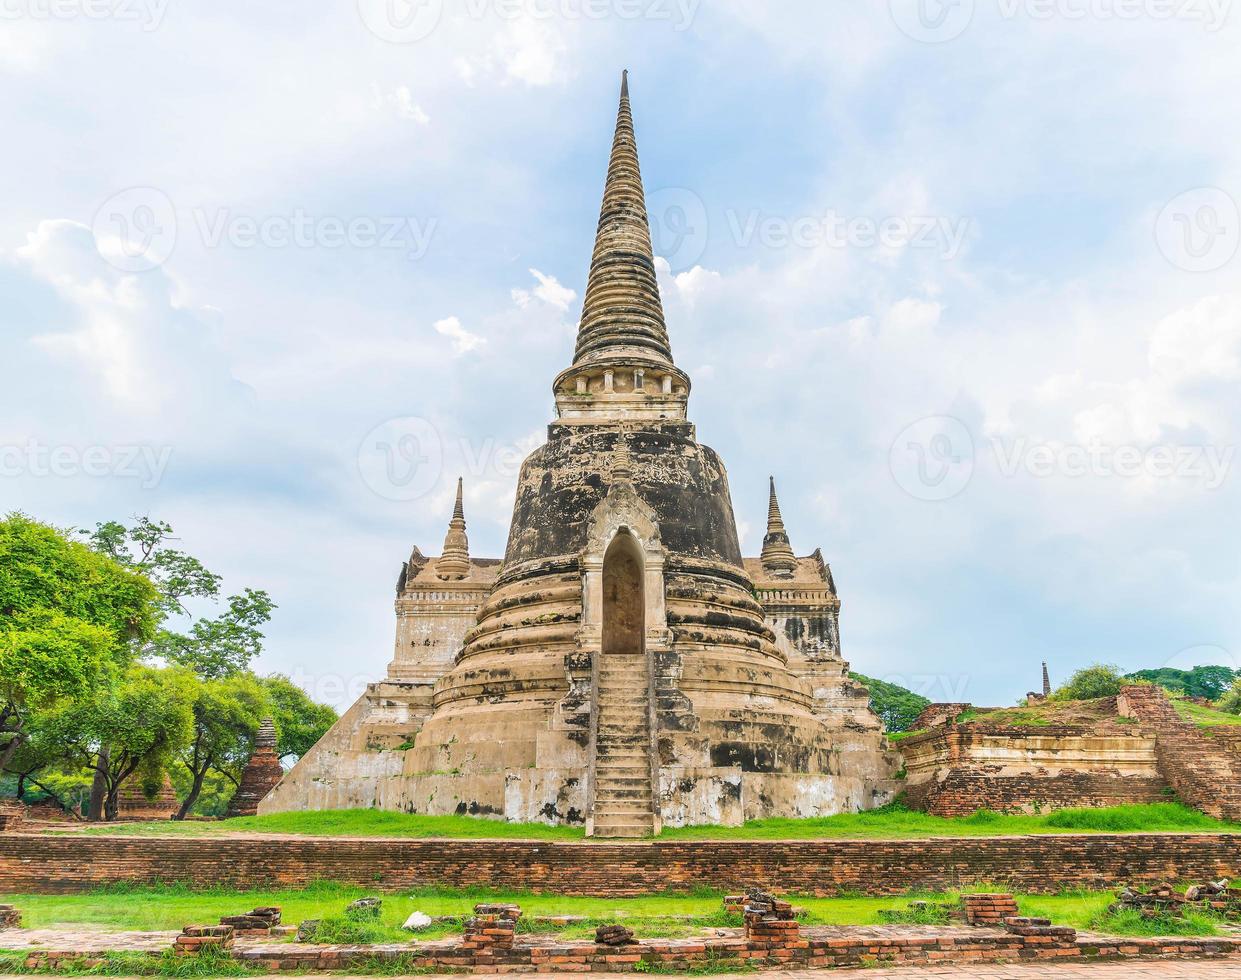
(454, 563)
(266, 735)
(622, 314)
(777, 558)
(458, 511)
(1046, 680)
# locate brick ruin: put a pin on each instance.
(623, 667)
(770, 936)
(134, 804)
(1133, 748)
(263, 771)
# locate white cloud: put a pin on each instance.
(549, 290)
(462, 340)
(402, 100)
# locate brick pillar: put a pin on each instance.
(194, 939)
(988, 910)
(770, 926)
(492, 927)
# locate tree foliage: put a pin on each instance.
(68, 619)
(138, 725)
(896, 706)
(1210, 682)
(300, 722)
(1097, 681)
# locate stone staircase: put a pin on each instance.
(624, 803)
(1204, 773)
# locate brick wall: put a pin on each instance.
(960, 793)
(66, 863)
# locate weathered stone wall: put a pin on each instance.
(1042, 864)
(955, 770)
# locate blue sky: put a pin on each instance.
(964, 277)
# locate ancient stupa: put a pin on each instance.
(623, 667)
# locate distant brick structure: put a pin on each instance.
(1204, 772)
(133, 804)
(261, 774)
(1130, 749)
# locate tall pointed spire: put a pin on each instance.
(777, 558)
(1046, 680)
(622, 312)
(454, 563)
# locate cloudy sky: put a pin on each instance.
(962, 275)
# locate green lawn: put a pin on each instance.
(1202, 716)
(651, 916)
(891, 822)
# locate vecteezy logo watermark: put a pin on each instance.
(146, 464)
(1208, 466)
(136, 229)
(407, 21)
(933, 459)
(404, 458)
(679, 226)
(1198, 231)
(148, 13)
(401, 459)
(946, 235)
(401, 21)
(932, 21)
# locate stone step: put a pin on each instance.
(622, 757)
(626, 808)
(627, 783)
(617, 828)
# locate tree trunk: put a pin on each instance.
(99, 787)
(195, 791)
(10, 747)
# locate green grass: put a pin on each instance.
(1202, 716)
(345, 823)
(667, 916)
(892, 822)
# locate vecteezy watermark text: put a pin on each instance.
(934, 231)
(146, 464)
(407, 21)
(147, 13)
(300, 229)
(1206, 465)
(137, 229)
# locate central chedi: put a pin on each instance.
(623, 667)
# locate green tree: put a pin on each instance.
(300, 722)
(212, 647)
(1210, 682)
(1231, 699)
(138, 725)
(227, 713)
(69, 618)
(896, 706)
(1097, 681)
